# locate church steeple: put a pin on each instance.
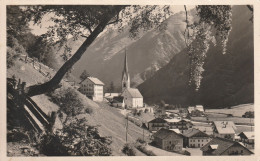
(125, 75)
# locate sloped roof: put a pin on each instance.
(164, 133)
(225, 127)
(134, 92)
(111, 94)
(217, 146)
(194, 132)
(247, 134)
(200, 108)
(176, 130)
(157, 120)
(94, 80)
(118, 99)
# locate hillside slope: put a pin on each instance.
(227, 80)
(110, 121)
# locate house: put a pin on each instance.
(220, 146)
(180, 124)
(118, 102)
(224, 129)
(110, 96)
(199, 108)
(168, 140)
(248, 139)
(194, 138)
(93, 88)
(191, 108)
(156, 124)
(132, 96)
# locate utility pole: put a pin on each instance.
(126, 128)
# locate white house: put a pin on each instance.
(93, 88)
(200, 108)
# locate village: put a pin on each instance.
(130, 80)
(170, 128)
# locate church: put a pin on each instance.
(131, 96)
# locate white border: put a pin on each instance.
(256, 4)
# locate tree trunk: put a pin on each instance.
(54, 82)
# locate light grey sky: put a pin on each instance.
(42, 28)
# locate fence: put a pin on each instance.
(18, 102)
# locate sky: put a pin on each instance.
(42, 28)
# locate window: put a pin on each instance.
(198, 140)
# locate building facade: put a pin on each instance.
(194, 138)
(168, 140)
(156, 124)
(182, 125)
(93, 88)
(248, 139)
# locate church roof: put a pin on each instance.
(134, 92)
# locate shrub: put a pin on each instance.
(68, 101)
(89, 110)
(145, 151)
(249, 114)
(139, 140)
(75, 139)
(128, 150)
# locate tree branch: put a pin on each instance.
(117, 19)
(54, 82)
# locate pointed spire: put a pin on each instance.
(126, 65)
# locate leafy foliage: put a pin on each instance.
(68, 101)
(128, 150)
(13, 51)
(249, 114)
(84, 75)
(145, 151)
(43, 51)
(75, 139)
(214, 27)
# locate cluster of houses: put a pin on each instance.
(177, 134)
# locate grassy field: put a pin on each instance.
(236, 120)
(237, 111)
(110, 121)
(222, 114)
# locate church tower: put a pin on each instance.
(125, 75)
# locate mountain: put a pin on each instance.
(146, 54)
(228, 79)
